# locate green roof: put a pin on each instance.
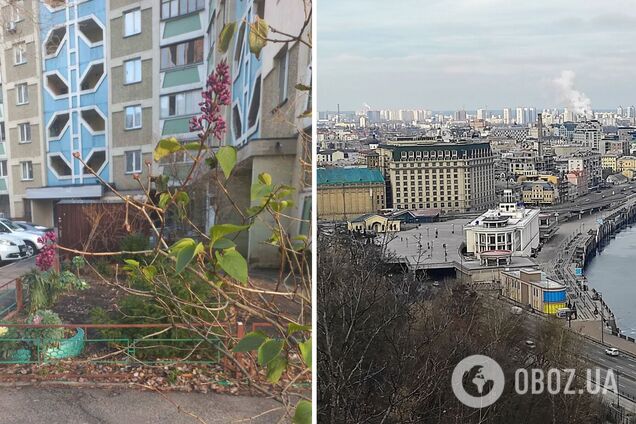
(339, 176)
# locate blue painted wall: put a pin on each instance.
(244, 76)
(81, 56)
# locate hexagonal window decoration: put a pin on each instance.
(57, 125)
(56, 85)
(91, 30)
(92, 77)
(54, 41)
(94, 120)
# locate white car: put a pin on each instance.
(530, 344)
(611, 351)
(30, 238)
(12, 248)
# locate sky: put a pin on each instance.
(491, 54)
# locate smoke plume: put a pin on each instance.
(573, 99)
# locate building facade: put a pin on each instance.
(452, 177)
(105, 80)
(531, 287)
(510, 228)
(343, 193)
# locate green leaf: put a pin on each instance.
(258, 36)
(302, 415)
(305, 351)
(180, 244)
(132, 262)
(221, 230)
(182, 197)
(251, 341)
(260, 191)
(165, 147)
(226, 36)
(164, 199)
(265, 178)
(292, 328)
(269, 350)
(302, 87)
(233, 263)
(149, 272)
(275, 369)
(223, 243)
(185, 250)
(226, 157)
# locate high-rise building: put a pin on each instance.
(105, 80)
(447, 176)
(520, 117)
(460, 115)
(507, 116)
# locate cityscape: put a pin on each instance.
(476, 185)
(521, 204)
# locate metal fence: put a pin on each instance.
(11, 297)
(87, 343)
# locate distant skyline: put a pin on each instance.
(475, 54)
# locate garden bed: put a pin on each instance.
(76, 306)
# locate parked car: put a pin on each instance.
(29, 226)
(12, 248)
(30, 238)
(611, 351)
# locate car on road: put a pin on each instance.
(530, 344)
(12, 248)
(32, 239)
(611, 351)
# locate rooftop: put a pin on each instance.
(544, 282)
(340, 176)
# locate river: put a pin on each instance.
(613, 274)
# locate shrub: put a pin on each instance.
(43, 337)
(45, 287)
(9, 342)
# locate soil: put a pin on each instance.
(75, 307)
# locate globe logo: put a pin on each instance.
(478, 381)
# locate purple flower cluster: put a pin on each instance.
(45, 259)
(216, 94)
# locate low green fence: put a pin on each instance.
(147, 351)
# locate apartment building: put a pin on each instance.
(20, 71)
(268, 123)
(425, 174)
(108, 79)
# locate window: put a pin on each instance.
(96, 162)
(282, 63)
(133, 117)
(132, 71)
(133, 161)
(90, 29)
(25, 132)
(132, 22)
(22, 91)
(174, 8)
(3, 168)
(27, 170)
(19, 53)
(180, 54)
(179, 104)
